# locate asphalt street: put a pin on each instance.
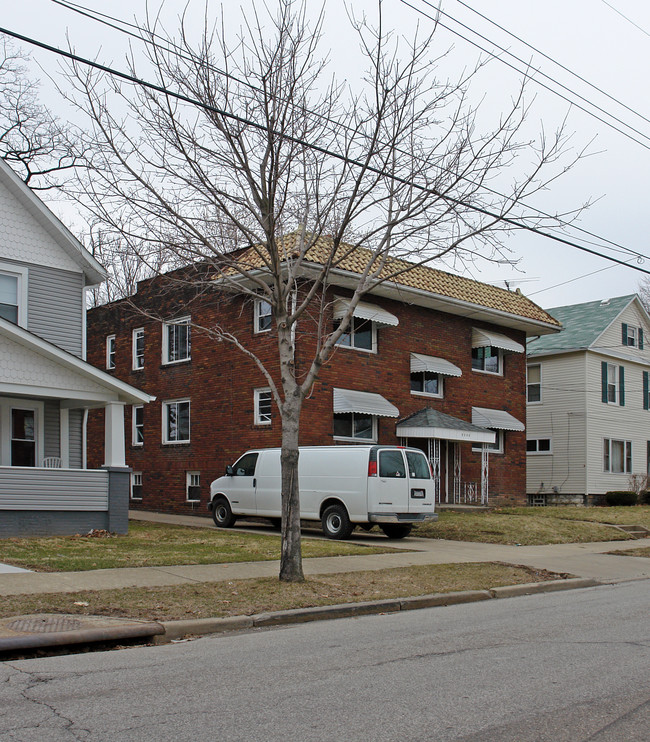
(570, 666)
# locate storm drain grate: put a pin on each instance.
(44, 624)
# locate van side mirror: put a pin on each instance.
(229, 471)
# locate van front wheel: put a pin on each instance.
(395, 530)
(222, 514)
(335, 522)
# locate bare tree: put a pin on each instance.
(38, 146)
(643, 290)
(278, 176)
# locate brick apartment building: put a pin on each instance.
(436, 361)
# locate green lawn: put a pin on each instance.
(154, 545)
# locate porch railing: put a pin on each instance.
(36, 488)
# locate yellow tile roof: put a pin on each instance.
(410, 275)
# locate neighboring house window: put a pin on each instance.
(488, 359)
(617, 456)
(110, 352)
(13, 294)
(263, 315)
(538, 445)
(632, 336)
(138, 348)
(534, 383)
(427, 383)
(177, 340)
(137, 437)
(176, 421)
(355, 425)
(361, 334)
(496, 447)
(136, 485)
(193, 485)
(613, 383)
(263, 406)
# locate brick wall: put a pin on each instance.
(220, 381)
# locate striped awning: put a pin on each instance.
(367, 403)
(434, 365)
(363, 310)
(483, 338)
(495, 419)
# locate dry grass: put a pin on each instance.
(247, 597)
(528, 526)
(642, 551)
(155, 544)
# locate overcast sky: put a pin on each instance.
(589, 37)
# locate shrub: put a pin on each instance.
(617, 498)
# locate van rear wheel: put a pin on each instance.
(395, 530)
(336, 522)
(222, 514)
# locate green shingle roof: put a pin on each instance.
(583, 324)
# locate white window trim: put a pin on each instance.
(134, 475)
(492, 373)
(165, 417)
(541, 453)
(110, 340)
(6, 405)
(134, 438)
(625, 443)
(134, 356)
(541, 398)
(188, 484)
(350, 331)
(441, 387)
(257, 315)
(21, 273)
(500, 439)
(165, 340)
(256, 395)
(616, 384)
(352, 438)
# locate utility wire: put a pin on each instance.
(174, 49)
(554, 61)
(629, 20)
(309, 145)
(527, 74)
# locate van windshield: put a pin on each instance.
(245, 467)
(418, 466)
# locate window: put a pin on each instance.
(632, 337)
(176, 421)
(13, 293)
(617, 456)
(361, 334)
(613, 383)
(136, 485)
(137, 437)
(487, 358)
(110, 352)
(496, 447)
(538, 445)
(534, 383)
(427, 383)
(418, 465)
(176, 341)
(245, 466)
(138, 348)
(23, 437)
(263, 315)
(263, 406)
(193, 485)
(391, 465)
(355, 425)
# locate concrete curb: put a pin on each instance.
(199, 627)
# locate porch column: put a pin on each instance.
(114, 445)
(64, 437)
(485, 459)
(457, 474)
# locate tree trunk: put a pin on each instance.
(291, 557)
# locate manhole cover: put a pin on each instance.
(44, 624)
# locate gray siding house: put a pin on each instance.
(588, 402)
(46, 387)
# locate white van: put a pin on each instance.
(340, 486)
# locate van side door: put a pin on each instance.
(242, 484)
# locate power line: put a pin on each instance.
(629, 20)
(309, 145)
(171, 48)
(527, 74)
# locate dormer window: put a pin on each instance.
(631, 336)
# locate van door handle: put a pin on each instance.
(254, 482)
